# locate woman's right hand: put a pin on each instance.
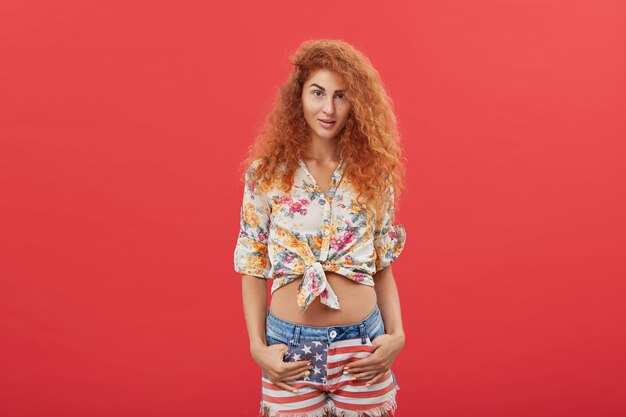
(270, 359)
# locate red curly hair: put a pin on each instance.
(369, 142)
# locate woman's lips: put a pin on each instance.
(326, 124)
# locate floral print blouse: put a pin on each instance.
(285, 236)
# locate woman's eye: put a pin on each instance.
(320, 93)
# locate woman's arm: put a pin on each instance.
(387, 346)
(269, 358)
(389, 302)
(254, 292)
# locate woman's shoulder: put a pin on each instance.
(281, 166)
(269, 183)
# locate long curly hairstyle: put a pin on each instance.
(369, 142)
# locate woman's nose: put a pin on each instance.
(329, 106)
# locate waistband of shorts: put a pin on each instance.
(290, 331)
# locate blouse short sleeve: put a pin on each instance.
(389, 239)
(251, 251)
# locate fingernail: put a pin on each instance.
(294, 390)
(307, 373)
(345, 372)
(346, 367)
(367, 384)
(353, 378)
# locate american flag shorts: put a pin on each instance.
(328, 349)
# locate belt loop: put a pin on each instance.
(362, 333)
(296, 335)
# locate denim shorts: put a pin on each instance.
(327, 389)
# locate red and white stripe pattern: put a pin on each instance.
(327, 381)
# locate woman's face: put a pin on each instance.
(325, 105)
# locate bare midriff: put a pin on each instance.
(356, 300)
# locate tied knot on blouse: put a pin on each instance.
(303, 233)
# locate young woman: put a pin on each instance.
(321, 186)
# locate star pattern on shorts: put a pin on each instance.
(314, 351)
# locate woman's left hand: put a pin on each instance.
(385, 349)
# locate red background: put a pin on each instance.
(122, 125)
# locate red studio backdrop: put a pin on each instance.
(122, 125)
